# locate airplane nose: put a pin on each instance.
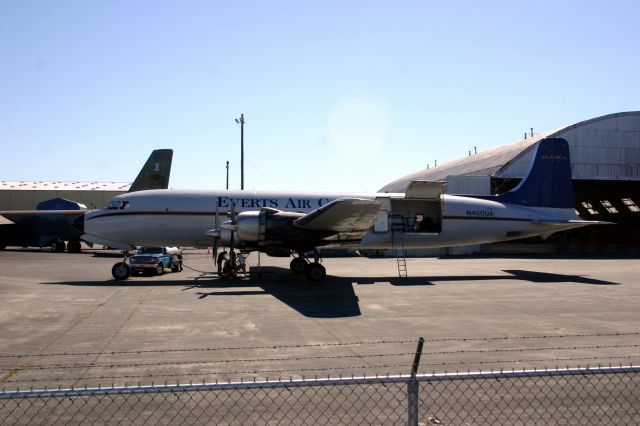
(78, 223)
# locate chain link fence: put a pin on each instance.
(593, 395)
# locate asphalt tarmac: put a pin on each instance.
(65, 322)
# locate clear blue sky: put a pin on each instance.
(337, 95)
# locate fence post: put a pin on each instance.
(413, 386)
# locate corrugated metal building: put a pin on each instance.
(25, 195)
(605, 164)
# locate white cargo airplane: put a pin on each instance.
(286, 224)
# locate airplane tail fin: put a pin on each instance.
(155, 172)
(548, 182)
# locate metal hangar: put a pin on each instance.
(605, 165)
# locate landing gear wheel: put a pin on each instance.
(121, 271)
(74, 247)
(315, 272)
(57, 246)
(160, 269)
(298, 265)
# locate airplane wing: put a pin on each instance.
(577, 222)
(92, 239)
(341, 215)
(5, 221)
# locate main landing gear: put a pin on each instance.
(313, 271)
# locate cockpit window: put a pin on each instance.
(118, 205)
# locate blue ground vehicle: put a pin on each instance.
(156, 260)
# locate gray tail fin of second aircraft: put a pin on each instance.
(155, 172)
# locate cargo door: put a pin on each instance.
(420, 211)
(382, 218)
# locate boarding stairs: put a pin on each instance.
(397, 243)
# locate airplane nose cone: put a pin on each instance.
(78, 223)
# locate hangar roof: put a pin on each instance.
(63, 186)
(481, 164)
(620, 132)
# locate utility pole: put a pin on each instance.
(241, 122)
(227, 175)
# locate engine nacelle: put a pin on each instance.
(251, 226)
(265, 225)
(263, 228)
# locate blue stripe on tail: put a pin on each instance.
(548, 183)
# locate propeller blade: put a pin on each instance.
(213, 233)
(233, 227)
(234, 214)
(214, 251)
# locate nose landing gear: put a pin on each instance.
(121, 271)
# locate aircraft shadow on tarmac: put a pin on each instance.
(334, 298)
(545, 277)
(330, 299)
(515, 274)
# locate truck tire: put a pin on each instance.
(160, 269)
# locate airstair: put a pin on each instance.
(397, 242)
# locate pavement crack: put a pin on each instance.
(106, 342)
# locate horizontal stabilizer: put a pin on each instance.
(576, 222)
(342, 215)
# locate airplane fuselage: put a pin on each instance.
(181, 218)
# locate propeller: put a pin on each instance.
(234, 224)
(217, 232)
(215, 228)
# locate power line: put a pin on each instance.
(316, 345)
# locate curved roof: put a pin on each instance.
(507, 160)
(25, 185)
